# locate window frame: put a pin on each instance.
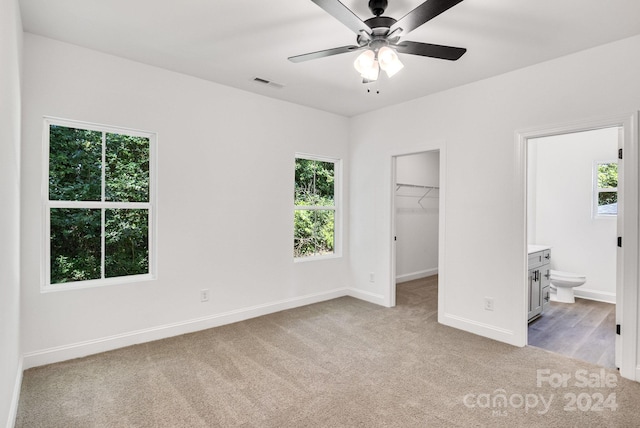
(597, 190)
(336, 208)
(47, 205)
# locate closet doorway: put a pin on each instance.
(416, 212)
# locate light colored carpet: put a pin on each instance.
(334, 364)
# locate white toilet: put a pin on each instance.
(563, 284)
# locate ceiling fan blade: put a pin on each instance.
(324, 53)
(343, 14)
(426, 49)
(423, 13)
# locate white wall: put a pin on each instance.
(419, 168)
(562, 167)
(10, 353)
(417, 216)
(484, 228)
(225, 218)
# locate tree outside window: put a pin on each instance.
(99, 203)
(606, 196)
(314, 207)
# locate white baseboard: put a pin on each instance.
(82, 349)
(600, 296)
(13, 408)
(481, 329)
(367, 296)
(416, 275)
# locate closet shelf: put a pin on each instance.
(419, 186)
(428, 189)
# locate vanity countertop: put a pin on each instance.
(533, 248)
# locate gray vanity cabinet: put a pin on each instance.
(539, 291)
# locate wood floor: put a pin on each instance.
(584, 330)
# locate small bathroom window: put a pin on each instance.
(605, 184)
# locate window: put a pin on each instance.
(605, 189)
(98, 205)
(315, 206)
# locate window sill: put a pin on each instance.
(316, 258)
(95, 283)
(605, 217)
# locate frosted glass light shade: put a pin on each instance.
(389, 61)
(367, 65)
(372, 73)
(365, 61)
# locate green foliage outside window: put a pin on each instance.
(127, 171)
(314, 225)
(126, 242)
(75, 157)
(75, 245)
(75, 175)
(607, 187)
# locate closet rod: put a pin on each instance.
(420, 186)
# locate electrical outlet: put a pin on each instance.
(204, 295)
(372, 277)
(488, 303)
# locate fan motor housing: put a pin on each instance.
(381, 22)
(380, 26)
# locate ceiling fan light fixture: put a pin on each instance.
(365, 61)
(367, 65)
(389, 61)
(371, 74)
(380, 36)
(393, 68)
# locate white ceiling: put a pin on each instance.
(233, 41)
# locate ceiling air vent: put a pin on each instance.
(266, 82)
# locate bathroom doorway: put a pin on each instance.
(415, 218)
(572, 205)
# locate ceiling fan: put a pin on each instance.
(379, 37)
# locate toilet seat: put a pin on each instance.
(562, 283)
(567, 276)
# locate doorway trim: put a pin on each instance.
(438, 146)
(627, 256)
